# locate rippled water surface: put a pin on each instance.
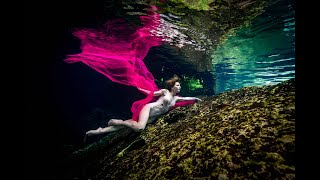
(260, 54)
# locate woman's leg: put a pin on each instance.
(136, 126)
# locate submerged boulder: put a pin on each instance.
(247, 133)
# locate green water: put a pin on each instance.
(262, 53)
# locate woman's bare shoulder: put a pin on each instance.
(164, 91)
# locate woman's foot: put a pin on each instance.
(93, 132)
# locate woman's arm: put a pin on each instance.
(156, 93)
(188, 98)
(144, 91)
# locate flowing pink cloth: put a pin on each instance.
(117, 51)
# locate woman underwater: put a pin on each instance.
(166, 101)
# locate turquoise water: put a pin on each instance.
(262, 53)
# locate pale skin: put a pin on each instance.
(148, 113)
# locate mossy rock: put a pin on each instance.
(241, 134)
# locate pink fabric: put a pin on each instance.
(117, 51)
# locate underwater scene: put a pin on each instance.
(175, 89)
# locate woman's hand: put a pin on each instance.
(198, 100)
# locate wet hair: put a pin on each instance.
(172, 81)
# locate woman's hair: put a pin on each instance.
(172, 81)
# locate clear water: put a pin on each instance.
(262, 53)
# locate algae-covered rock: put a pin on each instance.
(241, 134)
